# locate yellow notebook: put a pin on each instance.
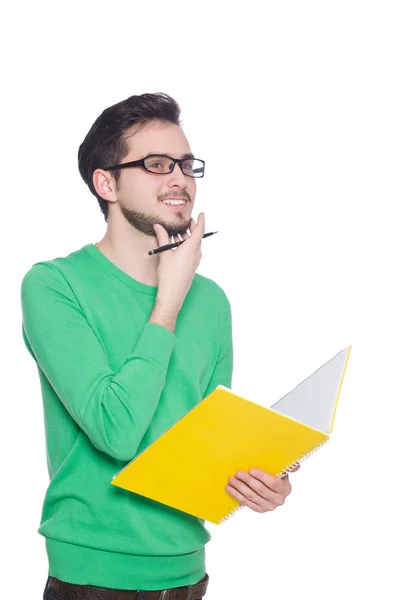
(187, 468)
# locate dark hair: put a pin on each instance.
(106, 142)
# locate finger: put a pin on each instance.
(273, 482)
(199, 229)
(244, 481)
(162, 235)
(246, 500)
(178, 239)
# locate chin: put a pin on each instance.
(176, 227)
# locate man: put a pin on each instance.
(125, 344)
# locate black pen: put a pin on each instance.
(176, 244)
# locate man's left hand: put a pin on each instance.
(258, 490)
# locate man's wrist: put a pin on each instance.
(164, 314)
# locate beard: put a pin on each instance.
(144, 222)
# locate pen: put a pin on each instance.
(176, 244)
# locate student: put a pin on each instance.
(125, 344)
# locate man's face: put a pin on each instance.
(140, 194)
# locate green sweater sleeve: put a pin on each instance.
(223, 371)
(113, 409)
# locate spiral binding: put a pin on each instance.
(281, 474)
(231, 513)
(302, 458)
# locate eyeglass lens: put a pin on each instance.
(161, 165)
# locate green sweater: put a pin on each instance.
(111, 384)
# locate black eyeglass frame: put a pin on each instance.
(176, 161)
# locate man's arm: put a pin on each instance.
(113, 409)
(223, 371)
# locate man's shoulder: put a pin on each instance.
(54, 268)
(210, 287)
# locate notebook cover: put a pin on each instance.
(188, 467)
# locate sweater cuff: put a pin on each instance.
(157, 342)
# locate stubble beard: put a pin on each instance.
(144, 222)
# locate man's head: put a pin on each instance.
(129, 131)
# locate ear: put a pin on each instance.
(104, 184)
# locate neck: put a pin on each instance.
(128, 249)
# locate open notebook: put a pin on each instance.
(187, 468)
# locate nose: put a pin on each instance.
(177, 177)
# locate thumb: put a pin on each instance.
(199, 229)
(162, 236)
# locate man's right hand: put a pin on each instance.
(176, 270)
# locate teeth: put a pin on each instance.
(174, 202)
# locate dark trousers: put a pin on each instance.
(51, 594)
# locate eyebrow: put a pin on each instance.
(185, 156)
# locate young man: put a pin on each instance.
(125, 344)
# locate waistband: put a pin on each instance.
(89, 592)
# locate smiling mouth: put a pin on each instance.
(176, 202)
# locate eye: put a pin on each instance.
(158, 164)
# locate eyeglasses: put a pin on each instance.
(161, 164)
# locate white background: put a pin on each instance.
(293, 107)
